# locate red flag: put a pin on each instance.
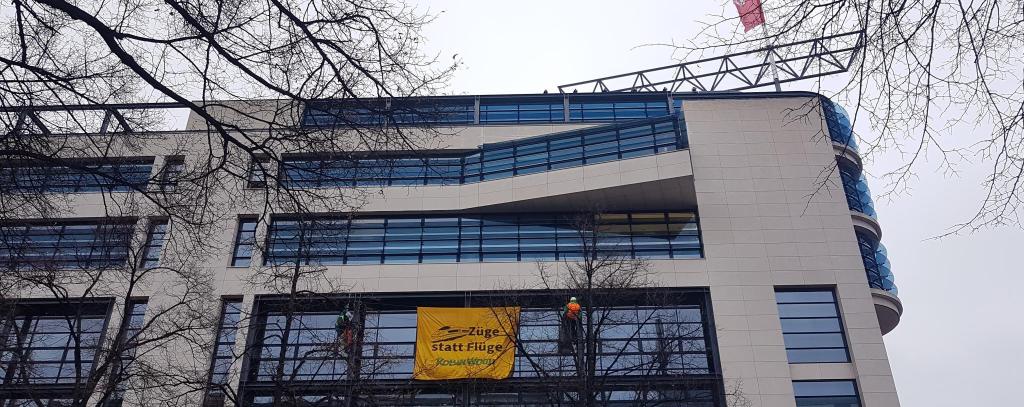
(750, 13)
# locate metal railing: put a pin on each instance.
(739, 71)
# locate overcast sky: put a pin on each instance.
(962, 320)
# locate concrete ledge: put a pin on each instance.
(888, 309)
(866, 223)
(664, 180)
(847, 153)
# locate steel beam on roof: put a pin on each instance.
(738, 71)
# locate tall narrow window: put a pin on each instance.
(826, 393)
(811, 326)
(173, 167)
(245, 239)
(257, 174)
(223, 353)
(130, 328)
(154, 243)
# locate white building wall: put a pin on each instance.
(772, 214)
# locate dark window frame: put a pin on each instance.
(855, 187)
(213, 396)
(574, 148)
(876, 262)
(257, 175)
(467, 237)
(93, 309)
(131, 325)
(478, 110)
(81, 175)
(815, 399)
(705, 385)
(172, 168)
(156, 236)
(838, 317)
(61, 244)
(244, 240)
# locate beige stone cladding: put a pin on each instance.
(772, 214)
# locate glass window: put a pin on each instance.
(377, 112)
(169, 174)
(431, 111)
(811, 327)
(826, 393)
(223, 353)
(858, 196)
(491, 161)
(590, 108)
(491, 237)
(634, 341)
(492, 110)
(131, 327)
(664, 343)
(258, 173)
(876, 263)
(545, 109)
(154, 243)
(50, 344)
(65, 245)
(85, 175)
(838, 122)
(245, 240)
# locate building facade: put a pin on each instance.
(765, 282)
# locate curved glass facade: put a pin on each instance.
(876, 263)
(492, 161)
(839, 127)
(858, 196)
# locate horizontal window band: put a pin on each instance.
(492, 161)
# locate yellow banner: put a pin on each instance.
(465, 343)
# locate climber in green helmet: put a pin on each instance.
(345, 328)
(571, 310)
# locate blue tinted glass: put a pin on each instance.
(824, 388)
(822, 355)
(497, 237)
(60, 342)
(85, 175)
(812, 330)
(66, 245)
(838, 123)
(493, 161)
(811, 325)
(226, 336)
(783, 297)
(806, 310)
(813, 340)
(412, 111)
(858, 196)
(876, 263)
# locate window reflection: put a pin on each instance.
(514, 237)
